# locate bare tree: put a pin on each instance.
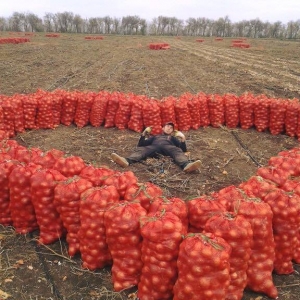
(192, 26)
(16, 21)
(92, 25)
(163, 22)
(3, 24)
(78, 24)
(239, 29)
(108, 21)
(293, 29)
(49, 22)
(257, 26)
(65, 21)
(176, 26)
(275, 29)
(203, 24)
(101, 25)
(227, 26)
(133, 24)
(116, 23)
(142, 27)
(153, 26)
(219, 27)
(35, 24)
(162, 25)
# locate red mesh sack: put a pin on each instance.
(162, 235)
(183, 116)
(92, 234)
(69, 166)
(57, 100)
(296, 256)
(136, 122)
(67, 202)
(167, 110)
(143, 192)
(261, 262)
(8, 116)
(122, 181)
(44, 116)
(99, 108)
(25, 155)
(124, 241)
(48, 159)
(237, 232)
(96, 175)
(151, 115)
(5, 218)
(292, 185)
(30, 106)
(291, 117)
(3, 134)
(286, 219)
(289, 152)
(277, 116)
(216, 110)
(227, 195)
(232, 110)
(289, 164)
(2, 125)
(175, 205)
(68, 109)
(257, 187)
(111, 110)
(274, 174)
(200, 210)
(20, 153)
(204, 110)
(21, 207)
(124, 111)
(261, 113)
(18, 112)
(9, 147)
(246, 110)
(194, 109)
(5, 169)
(43, 183)
(203, 268)
(83, 108)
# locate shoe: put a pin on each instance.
(119, 160)
(193, 166)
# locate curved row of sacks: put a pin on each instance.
(135, 112)
(213, 246)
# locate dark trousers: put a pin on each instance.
(168, 150)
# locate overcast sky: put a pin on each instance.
(236, 10)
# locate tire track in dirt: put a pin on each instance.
(174, 74)
(63, 80)
(252, 59)
(154, 68)
(158, 71)
(219, 56)
(252, 62)
(125, 69)
(181, 77)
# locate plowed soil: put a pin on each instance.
(125, 64)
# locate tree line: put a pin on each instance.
(67, 22)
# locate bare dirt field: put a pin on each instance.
(125, 64)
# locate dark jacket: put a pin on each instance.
(160, 140)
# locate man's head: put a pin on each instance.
(168, 127)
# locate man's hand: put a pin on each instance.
(179, 135)
(147, 131)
